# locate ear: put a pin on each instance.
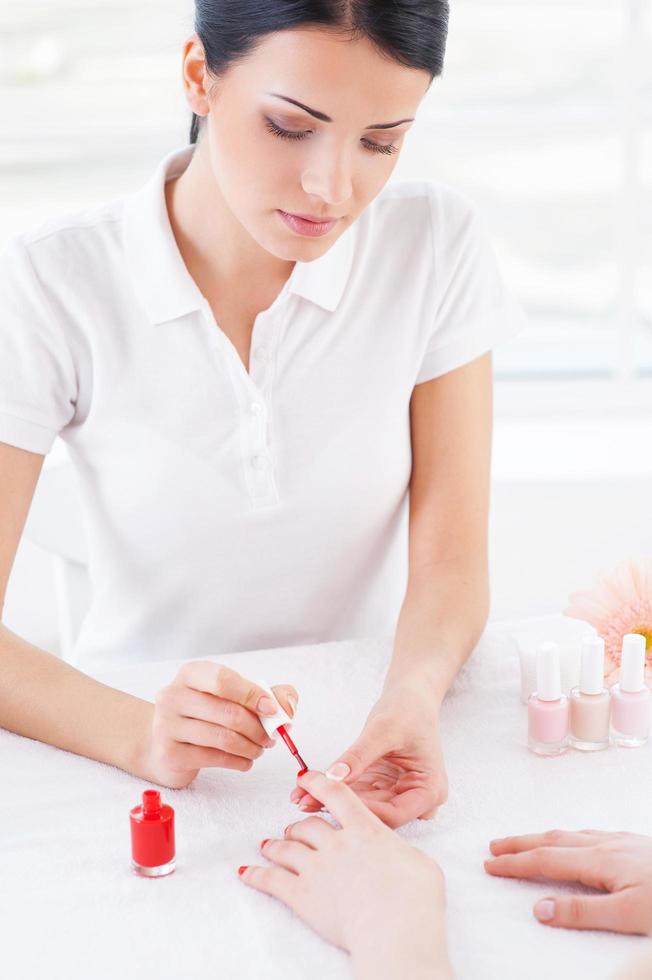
(196, 80)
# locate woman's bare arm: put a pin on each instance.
(41, 696)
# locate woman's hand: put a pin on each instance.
(208, 716)
(396, 765)
(361, 887)
(619, 864)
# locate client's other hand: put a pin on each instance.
(619, 864)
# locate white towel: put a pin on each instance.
(70, 907)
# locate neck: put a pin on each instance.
(209, 235)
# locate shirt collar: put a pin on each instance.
(160, 277)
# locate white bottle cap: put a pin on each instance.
(548, 672)
(632, 663)
(271, 722)
(592, 671)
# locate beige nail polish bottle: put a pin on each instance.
(589, 703)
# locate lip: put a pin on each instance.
(304, 224)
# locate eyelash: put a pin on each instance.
(287, 134)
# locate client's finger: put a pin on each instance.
(274, 881)
(308, 802)
(559, 863)
(338, 798)
(619, 912)
(313, 831)
(556, 838)
(289, 854)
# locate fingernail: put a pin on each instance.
(545, 910)
(263, 842)
(286, 829)
(304, 806)
(338, 771)
(242, 869)
(296, 795)
(270, 743)
(267, 706)
(293, 703)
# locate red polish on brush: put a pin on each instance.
(292, 747)
(280, 722)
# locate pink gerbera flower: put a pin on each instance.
(619, 604)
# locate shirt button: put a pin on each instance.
(258, 462)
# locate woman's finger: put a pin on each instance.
(178, 700)
(619, 912)
(289, 854)
(551, 838)
(338, 798)
(223, 682)
(559, 863)
(313, 831)
(180, 756)
(274, 881)
(414, 804)
(288, 697)
(204, 733)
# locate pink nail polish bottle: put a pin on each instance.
(547, 708)
(590, 702)
(630, 698)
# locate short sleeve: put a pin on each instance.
(38, 386)
(474, 310)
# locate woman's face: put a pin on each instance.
(331, 166)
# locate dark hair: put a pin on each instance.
(412, 32)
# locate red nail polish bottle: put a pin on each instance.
(152, 836)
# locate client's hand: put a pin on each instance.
(208, 716)
(620, 864)
(361, 887)
(396, 765)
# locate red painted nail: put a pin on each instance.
(263, 842)
(242, 869)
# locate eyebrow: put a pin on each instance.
(324, 118)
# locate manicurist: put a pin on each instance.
(272, 370)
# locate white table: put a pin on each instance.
(71, 907)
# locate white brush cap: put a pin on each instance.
(632, 663)
(548, 672)
(592, 670)
(271, 722)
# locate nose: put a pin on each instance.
(329, 177)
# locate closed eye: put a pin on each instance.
(289, 134)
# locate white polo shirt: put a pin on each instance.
(226, 510)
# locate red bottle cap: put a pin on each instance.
(152, 831)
